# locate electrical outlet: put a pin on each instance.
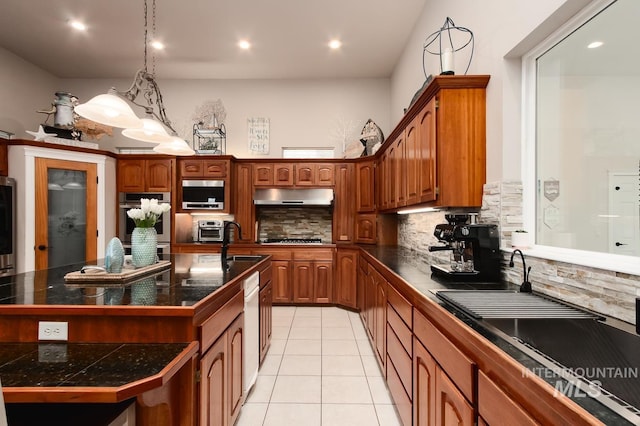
(49, 330)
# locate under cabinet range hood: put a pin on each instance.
(293, 197)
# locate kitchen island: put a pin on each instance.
(193, 308)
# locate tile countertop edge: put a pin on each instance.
(497, 364)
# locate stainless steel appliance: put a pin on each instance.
(130, 200)
(210, 231)
(7, 226)
(203, 194)
(475, 249)
(293, 197)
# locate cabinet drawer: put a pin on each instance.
(313, 254)
(401, 305)
(496, 407)
(276, 254)
(401, 330)
(265, 275)
(456, 364)
(402, 400)
(216, 324)
(402, 361)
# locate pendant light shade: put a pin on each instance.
(177, 146)
(110, 110)
(151, 131)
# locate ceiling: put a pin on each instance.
(289, 37)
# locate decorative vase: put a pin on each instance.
(113, 296)
(114, 256)
(144, 243)
(144, 292)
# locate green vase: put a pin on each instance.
(144, 292)
(144, 244)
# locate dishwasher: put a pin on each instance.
(251, 335)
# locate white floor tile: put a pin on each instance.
(252, 414)
(308, 311)
(270, 365)
(277, 346)
(261, 391)
(349, 415)
(282, 321)
(345, 390)
(299, 389)
(340, 347)
(342, 365)
(293, 415)
(309, 333)
(336, 322)
(307, 322)
(387, 415)
(303, 347)
(371, 366)
(379, 391)
(280, 332)
(337, 333)
(283, 310)
(365, 348)
(300, 365)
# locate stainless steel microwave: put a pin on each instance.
(203, 194)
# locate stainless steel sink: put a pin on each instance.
(509, 304)
(244, 257)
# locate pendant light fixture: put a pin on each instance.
(113, 110)
(176, 146)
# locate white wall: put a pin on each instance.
(302, 113)
(24, 88)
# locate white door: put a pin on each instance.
(624, 205)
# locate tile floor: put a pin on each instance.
(320, 370)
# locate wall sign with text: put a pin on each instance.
(258, 135)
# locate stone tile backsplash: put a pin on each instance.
(607, 292)
(294, 222)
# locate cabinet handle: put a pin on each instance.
(618, 244)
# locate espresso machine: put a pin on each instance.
(475, 249)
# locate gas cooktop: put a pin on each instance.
(292, 241)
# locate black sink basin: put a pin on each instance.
(244, 258)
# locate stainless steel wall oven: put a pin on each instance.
(7, 226)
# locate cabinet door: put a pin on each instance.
(426, 123)
(266, 324)
(366, 228)
(365, 194)
(496, 407)
(424, 386)
(370, 301)
(283, 174)
(305, 175)
(4, 154)
(263, 174)
(234, 357)
(323, 282)
(324, 174)
(392, 173)
(158, 175)
(215, 168)
(281, 281)
(303, 282)
(361, 289)
(344, 204)
(381, 319)
(244, 212)
(411, 163)
(346, 277)
(131, 175)
(452, 407)
(400, 175)
(213, 384)
(192, 168)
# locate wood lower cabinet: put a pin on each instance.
(303, 282)
(221, 377)
(323, 282)
(347, 277)
(495, 407)
(366, 228)
(281, 281)
(424, 386)
(451, 406)
(266, 322)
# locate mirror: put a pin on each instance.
(587, 135)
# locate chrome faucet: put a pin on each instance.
(525, 287)
(225, 241)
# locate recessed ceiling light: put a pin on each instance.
(244, 44)
(335, 44)
(77, 25)
(158, 45)
(595, 44)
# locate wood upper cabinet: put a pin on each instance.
(424, 126)
(366, 227)
(365, 187)
(411, 164)
(283, 174)
(270, 174)
(203, 168)
(293, 174)
(145, 175)
(346, 277)
(314, 174)
(344, 203)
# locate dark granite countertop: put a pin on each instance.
(190, 278)
(603, 353)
